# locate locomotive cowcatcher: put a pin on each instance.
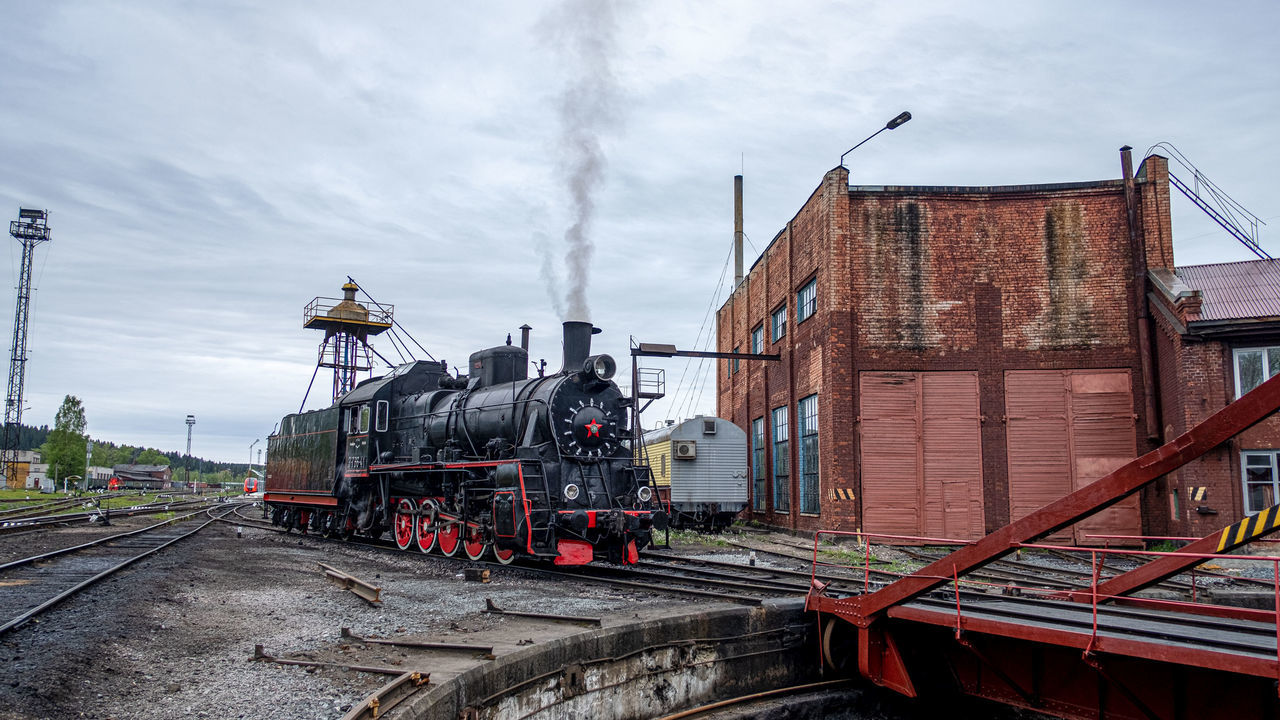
(490, 462)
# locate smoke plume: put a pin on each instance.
(547, 269)
(583, 32)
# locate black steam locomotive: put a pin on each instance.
(489, 462)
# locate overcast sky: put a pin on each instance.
(210, 167)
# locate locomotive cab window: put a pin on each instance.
(364, 419)
(380, 421)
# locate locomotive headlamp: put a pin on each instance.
(645, 494)
(600, 367)
(571, 492)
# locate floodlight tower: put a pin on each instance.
(191, 421)
(31, 228)
(347, 327)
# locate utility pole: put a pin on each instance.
(31, 228)
(191, 420)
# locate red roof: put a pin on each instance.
(1235, 291)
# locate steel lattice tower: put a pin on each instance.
(31, 228)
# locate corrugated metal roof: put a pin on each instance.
(1235, 291)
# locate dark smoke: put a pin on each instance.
(584, 32)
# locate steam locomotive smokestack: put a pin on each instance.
(577, 344)
(524, 336)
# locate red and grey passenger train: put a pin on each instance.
(490, 463)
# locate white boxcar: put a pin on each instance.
(700, 468)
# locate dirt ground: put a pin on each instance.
(174, 635)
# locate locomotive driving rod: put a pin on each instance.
(1108, 490)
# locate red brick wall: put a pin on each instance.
(930, 280)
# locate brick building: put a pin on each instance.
(1217, 336)
(953, 358)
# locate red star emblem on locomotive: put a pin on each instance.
(593, 428)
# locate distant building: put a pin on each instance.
(141, 477)
(38, 477)
(99, 477)
(23, 468)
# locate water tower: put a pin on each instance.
(347, 326)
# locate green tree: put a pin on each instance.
(124, 455)
(103, 455)
(64, 448)
(151, 456)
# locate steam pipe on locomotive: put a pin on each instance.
(493, 461)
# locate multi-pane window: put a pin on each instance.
(807, 459)
(1261, 482)
(757, 339)
(806, 300)
(1254, 366)
(779, 323)
(734, 367)
(757, 465)
(781, 467)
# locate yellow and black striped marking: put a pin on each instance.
(1250, 528)
(1198, 494)
(841, 494)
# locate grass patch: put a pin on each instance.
(693, 537)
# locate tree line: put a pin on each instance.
(63, 448)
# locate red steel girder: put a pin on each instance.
(1129, 478)
(1165, 566)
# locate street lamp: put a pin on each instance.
(255, 442)
(897, 122)
(191, 420)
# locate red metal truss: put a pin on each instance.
(1213, 431)
(1165, 566)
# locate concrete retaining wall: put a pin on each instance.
(636, 671)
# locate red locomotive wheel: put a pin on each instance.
(328, 524)
(404, 525)
(473, 544)
(506, 557)
(426, 532)
(447, 536)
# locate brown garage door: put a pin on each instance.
(1066, 429)
(921, 454)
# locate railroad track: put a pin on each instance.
(1084, 576)
(21, 525)
(745, 703)
(35, 584)
(743, 591)
(1258, 638)
(41, 507)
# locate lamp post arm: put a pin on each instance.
(864, 142)
(898, 121)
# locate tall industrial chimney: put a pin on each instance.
(737, 231)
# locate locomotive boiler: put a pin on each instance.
(491, 462)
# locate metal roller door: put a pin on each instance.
(921, 454)
(1066, 429)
